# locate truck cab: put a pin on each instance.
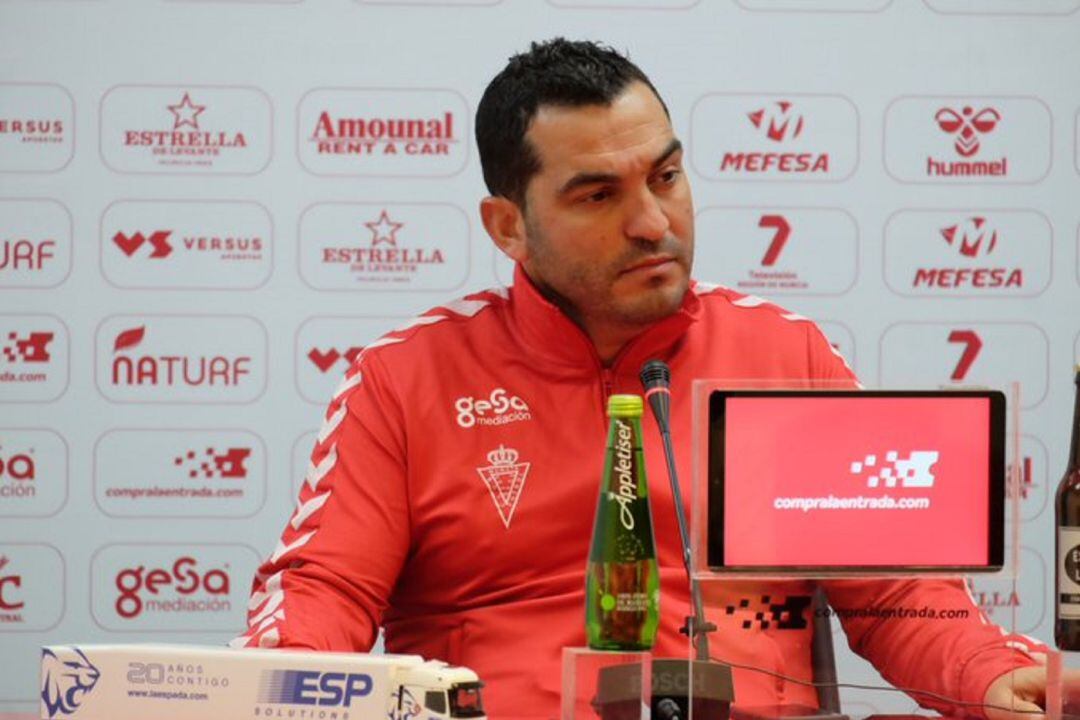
(434, 690)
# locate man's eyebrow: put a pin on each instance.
(595, 178)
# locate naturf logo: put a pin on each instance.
(158, 242)
(326, 359)
(210, 464)
(171, 370)
(778, 121)
(37, 127)
(182, 588)
(933, 252)
(392, 247)
(912, 472)
(971, 237)
(505, 479)
(181, 359)
(185, 129)
(66, 680)
(498, 408)
(382, 132)
(29, 348)
(35, 243)
(799, 138)
(149, 244)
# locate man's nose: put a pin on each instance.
(645, 218)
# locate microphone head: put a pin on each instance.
(655, 373)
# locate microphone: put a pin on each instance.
(668, 709)
(656, 378)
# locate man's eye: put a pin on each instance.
(597, 197)
(668, 177)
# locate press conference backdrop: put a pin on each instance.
(208, 208)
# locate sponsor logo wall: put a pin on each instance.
(199, 232)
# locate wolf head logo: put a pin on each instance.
(66, 682)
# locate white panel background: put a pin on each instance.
(903, 48)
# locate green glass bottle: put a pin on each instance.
(622, 585)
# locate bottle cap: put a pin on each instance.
(625, 406)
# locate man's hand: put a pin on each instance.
(1023, 690)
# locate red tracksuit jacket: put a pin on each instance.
(451, 495)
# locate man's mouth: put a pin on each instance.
(658, 262)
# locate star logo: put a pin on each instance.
(505, 479)
(186, 113)
(384, 230)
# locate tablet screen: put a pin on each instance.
(856, 479)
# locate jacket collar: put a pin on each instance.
(550, 335)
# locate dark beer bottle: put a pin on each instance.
(622, 586)
(1067, 595)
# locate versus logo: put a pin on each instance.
(65, 683)
(625, 493)
(159, 242)
(913, 472)
(499, 408)
(324, 360)
(311, 687)
(183, 578)
(36, 127)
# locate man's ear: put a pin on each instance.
(505, 223)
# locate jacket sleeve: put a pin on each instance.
(956, 654)
(327, 582)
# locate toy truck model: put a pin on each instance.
(187, 682)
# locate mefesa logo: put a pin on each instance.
(313, 687)
(776, 137)
(37, 127)
(773, 251)
(393, 247)
(191, 245)
(382, 132)
(192, 129)
(181, 359)
(170, 587)
(967, 139)
(929, 252)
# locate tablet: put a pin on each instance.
(806, 481)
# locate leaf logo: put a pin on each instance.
(129, 338)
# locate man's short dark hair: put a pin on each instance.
(556, 72)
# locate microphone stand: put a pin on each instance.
(656, 378)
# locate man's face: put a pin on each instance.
(609, 217)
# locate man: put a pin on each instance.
(451, 493)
